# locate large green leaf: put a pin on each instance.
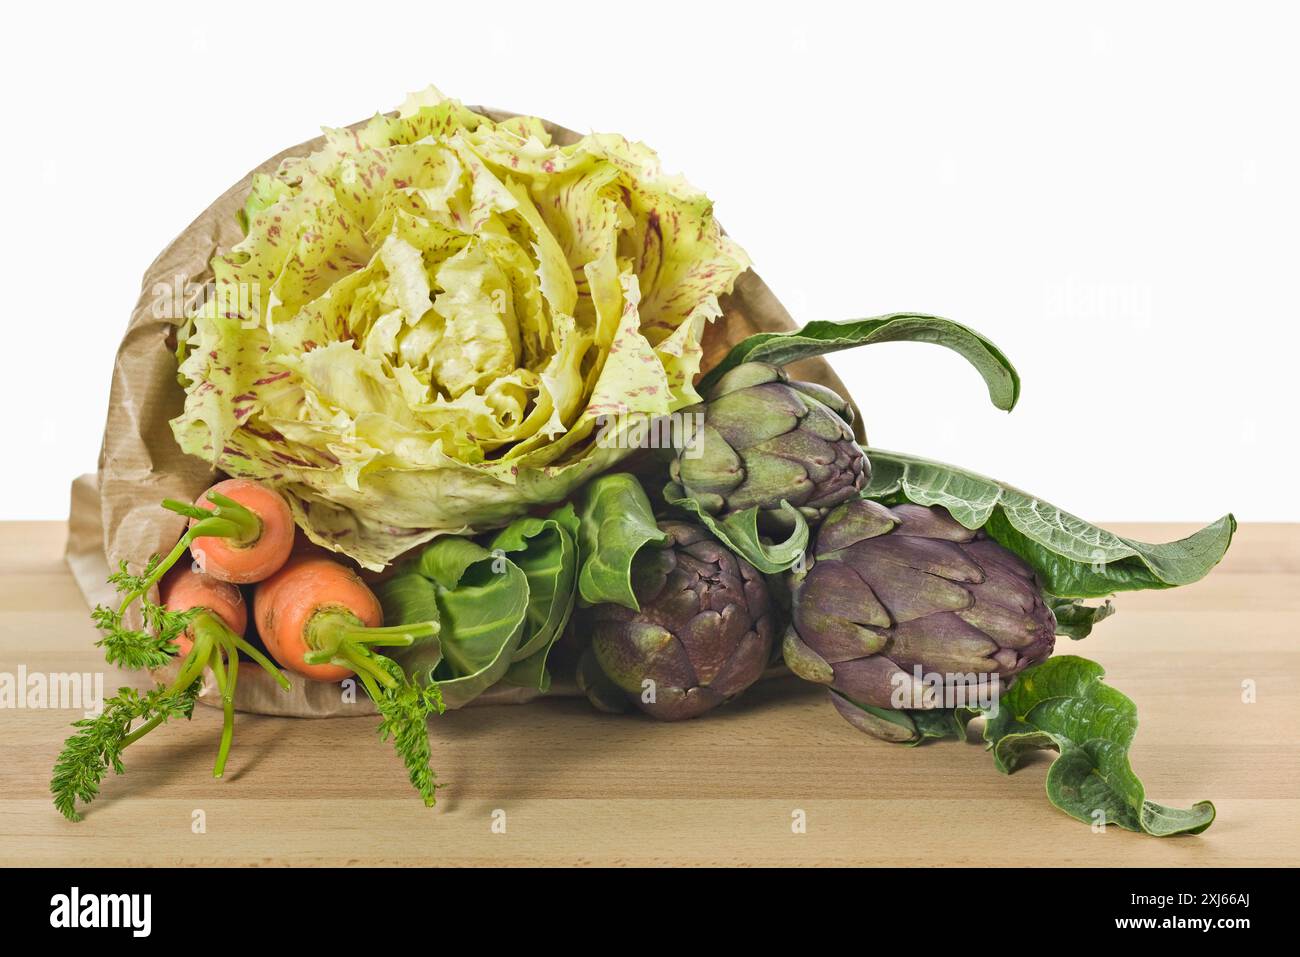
(739, 532)
(615, 521)
(1073, 558)
(1062, 704)
(820, 338)
(546, 550)
(481, 603)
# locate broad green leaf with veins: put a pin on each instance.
(822, 338)
(430, 318)
(615, 521)
(481, 603)
(546, 550)
(1062, 704)
(1073, 558)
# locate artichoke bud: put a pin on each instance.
(899, 606)
(766, 440)
(745, 375)
(827, 397)
(703, 635)
(603, 694)
(895, 726)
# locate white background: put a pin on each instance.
(1108, 191)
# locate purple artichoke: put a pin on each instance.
(888, 591)
(703, 635)
(766, 439)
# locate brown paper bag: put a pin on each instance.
(115, 516)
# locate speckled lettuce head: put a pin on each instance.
(429, 320)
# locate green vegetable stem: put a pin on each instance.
(227, 519)
(340, 638)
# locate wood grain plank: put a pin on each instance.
(578, 787)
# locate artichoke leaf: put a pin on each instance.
(1074, 619)
(909, 727)
(1073, 558)
(822, 337)
(739, 532)
(1062, 704)
(603, 694)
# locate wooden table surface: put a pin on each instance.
(576, 787)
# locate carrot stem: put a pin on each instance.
(339, 637)
(372, 687)
(211, 638)
(215, 526)
(191, 668)
(141, 731)
(247, 522)
(267, 665)
(185, 508)
(232, 665)
(225, 685)
(162, 569)
(360, 661)
(393, 636)
(194, 663)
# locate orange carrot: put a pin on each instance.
(200, 621)
(183, 588)
(318, 618)
(255, 553)
(238, 544)
(214, 637)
